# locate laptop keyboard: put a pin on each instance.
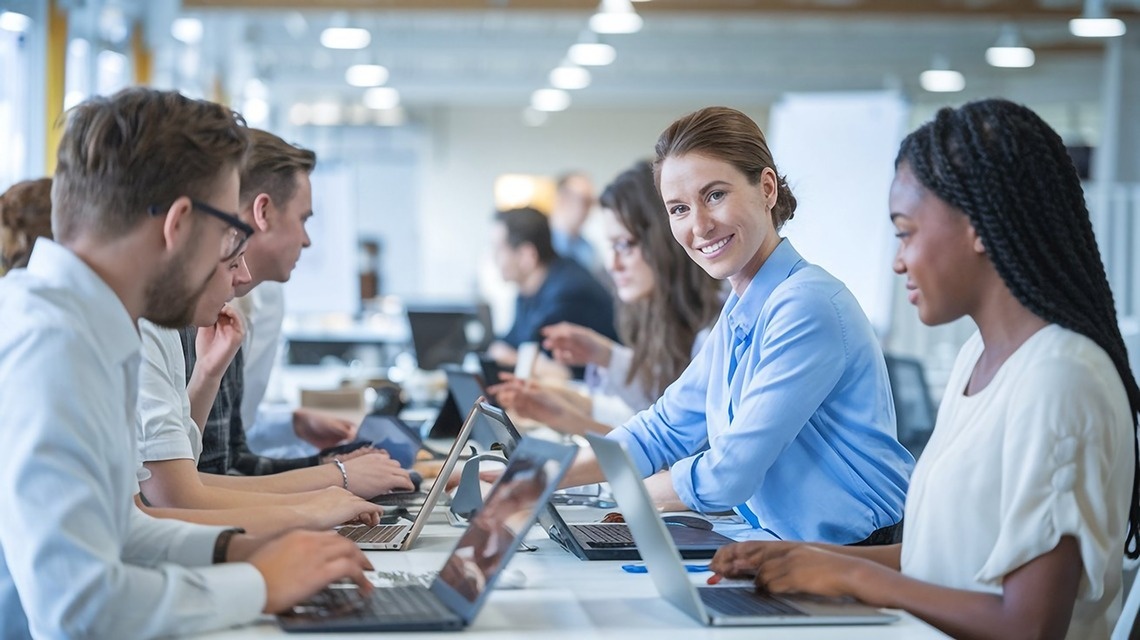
(744, 601)
(390, 605)
(604, 536)
(380, 533)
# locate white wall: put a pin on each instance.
(470, 147)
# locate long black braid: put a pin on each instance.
(1009, 171)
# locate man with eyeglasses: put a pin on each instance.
(77, 558)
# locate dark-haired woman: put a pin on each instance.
(785, 415)
(1016, 512)
(667, 304)
(25, 214)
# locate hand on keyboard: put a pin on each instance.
(300, 563)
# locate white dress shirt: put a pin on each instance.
(263, 312)
(77, 558)
(1043, 451)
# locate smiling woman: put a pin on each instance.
(785, 415)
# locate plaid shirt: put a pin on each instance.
(224, 448)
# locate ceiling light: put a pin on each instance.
(1095, 22)
(615, 16)
(592, 54)
(1010, 51)
(12, 21)
(187, 30)
(550, 100)
(381, 98)
(255, 111)
(345, 38)
(569, 76)
(366, 75)
(940, 78)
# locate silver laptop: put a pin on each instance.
(469, 573)
(721, 605)
(401, 535)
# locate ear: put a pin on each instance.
(528, 255)
(177, 227)
(769, 187)
(262, 204)
(976, 241)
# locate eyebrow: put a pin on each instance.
(705, 189)
(895, 216)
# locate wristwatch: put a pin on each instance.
(222, 544)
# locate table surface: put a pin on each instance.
(565, 597)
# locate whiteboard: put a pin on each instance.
(838, 152)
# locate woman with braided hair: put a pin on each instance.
(1018, 508)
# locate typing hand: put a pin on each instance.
(333, 506)
(374, 474)
(301, 563)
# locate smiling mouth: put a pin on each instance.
(713, 248)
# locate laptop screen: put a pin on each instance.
(493, 534)
(439, 336)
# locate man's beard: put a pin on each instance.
(170, 297)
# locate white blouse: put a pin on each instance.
(1044, 451)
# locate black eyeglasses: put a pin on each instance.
(233, 242)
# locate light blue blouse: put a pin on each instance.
(785, 415)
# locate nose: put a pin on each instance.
(898, 265)
(241, 275)
(614, 263)
(307, 242)
(703, 224)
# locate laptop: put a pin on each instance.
(469, 573)
(600, 540)
(464, 389)
(721, 605)
(401, 535)
(439, 334)
(613, 541)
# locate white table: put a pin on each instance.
(565, 597)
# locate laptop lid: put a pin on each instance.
(493, 427)
(440, 483)
(533, 471)
(653, 540)
(439, 336)
(392, 435)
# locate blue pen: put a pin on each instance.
(640, 568)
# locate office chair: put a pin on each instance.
(914, 410)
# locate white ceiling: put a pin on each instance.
(498, 57)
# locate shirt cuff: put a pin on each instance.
(617, 371)
(634, 449)
(239, 591)
(684, 482)
(196, 547)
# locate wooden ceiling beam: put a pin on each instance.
(926, 8)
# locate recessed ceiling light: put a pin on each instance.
(569, 76)
(366, 75)
(345, 38)
(550, 100)
(592, 54)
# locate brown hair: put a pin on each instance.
(728, 135)
(272, 167)
(25, 214)
(139, 148)
(662, 328)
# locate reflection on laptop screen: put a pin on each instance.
(491, 534)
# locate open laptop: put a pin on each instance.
(721, 605)
(600, 540)
(401, 535)
(469, 573)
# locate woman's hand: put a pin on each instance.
(576, 346)
(792, 567)
(216, 345)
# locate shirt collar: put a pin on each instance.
(743, 311)
(93, 299)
